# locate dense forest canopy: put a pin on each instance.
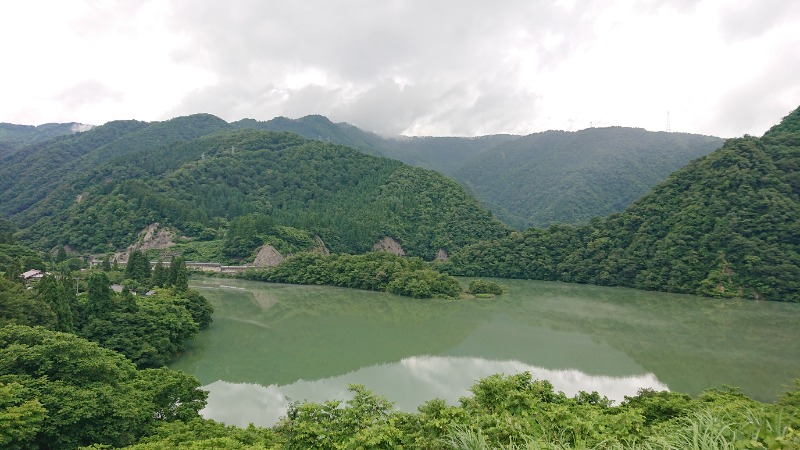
(81, 364)
(725, 225)
(534, 180)
(14, 137)
(537, 180)
(572, 177)
(349, 199)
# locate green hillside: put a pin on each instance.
(536, 180)
(725, 225)
(316, 127)
(446, 154)
(570, 177)
(32, 173)
(14, 137)
(351, 200)
(50, 168)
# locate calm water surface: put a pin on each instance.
(272, 343)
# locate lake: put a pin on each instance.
(274, 343)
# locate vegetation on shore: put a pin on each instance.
(62, 391)
(374, 271)
(203, 185)
(725, 226)
(87, 368)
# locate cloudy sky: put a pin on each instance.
(421, 67)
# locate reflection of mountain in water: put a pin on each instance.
(271, 334)
(508, 338)
(275, 334)
(409, 383)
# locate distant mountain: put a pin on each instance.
(320, 128)
(725, 225)
(530, 180)
(350, 199)
(535, 180)
(14, 137)
(443, 154)
(47, 168)
(571, 177)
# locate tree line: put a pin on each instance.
(374, 271)
(726, 225)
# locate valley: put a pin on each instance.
(555, 331)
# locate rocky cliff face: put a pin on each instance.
(388, 244)
(268, 256)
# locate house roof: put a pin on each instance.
(31, 273)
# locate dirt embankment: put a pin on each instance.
(387, 244)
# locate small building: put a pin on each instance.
(32, 274)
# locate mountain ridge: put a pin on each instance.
(526, 191)
(348, 198)
(725, 225)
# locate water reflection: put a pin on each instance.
(409, 383)
(274, 335)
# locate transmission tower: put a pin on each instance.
(669, 130)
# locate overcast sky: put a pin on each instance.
(425, 67)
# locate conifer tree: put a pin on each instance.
(138, 267)
(181, 275)
(160, 275)
(101, 301)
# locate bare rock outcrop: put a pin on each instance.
(388, 244)
(320, 247)
(268, 256)
(152, 237)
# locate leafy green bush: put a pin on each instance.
(484, 287)
(374, 271)
(63, 391)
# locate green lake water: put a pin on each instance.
(272, 343)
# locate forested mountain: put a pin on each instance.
(49, 168)
(571, 177)
(320, 128)
(14, 137)
(350, 199)
(443, 154)
(535, 180)
(725, 225)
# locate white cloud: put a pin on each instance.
(450, 67)
(408, 384)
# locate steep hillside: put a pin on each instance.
(532, 180)
(14, 137)
(535, 180)
(570, 177)
(50, 168)
(350, 199)
(316, 127)
(30, 174)
(725, 225)
(443, 154)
